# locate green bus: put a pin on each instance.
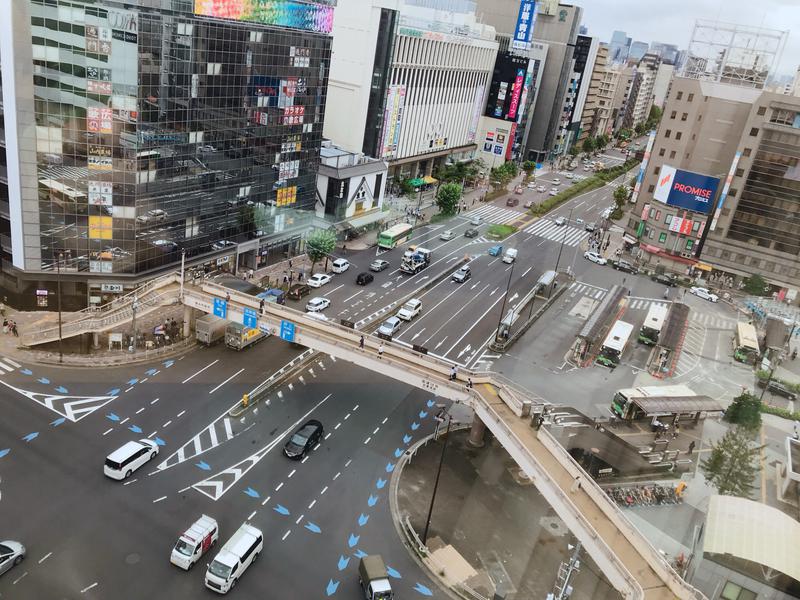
(394, 236)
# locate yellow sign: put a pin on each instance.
(287, 196)
(100, 228)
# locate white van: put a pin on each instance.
(510, 256)
(125, 460)
(232, 561)
(340, 265)
(194, 542)
(410, 309)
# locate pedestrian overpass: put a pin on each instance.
(631, 564)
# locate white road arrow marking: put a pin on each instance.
(440, 343)
(416, 335)
(464, 351)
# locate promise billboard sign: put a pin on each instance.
(685, 189)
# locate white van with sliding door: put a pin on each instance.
(510, 256)
(194, 542)
(121, 463)
(232, 561)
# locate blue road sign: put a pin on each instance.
(250, 318)
(220, 308)
(287, 331)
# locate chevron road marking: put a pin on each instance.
(73, 408)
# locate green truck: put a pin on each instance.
(374, 579)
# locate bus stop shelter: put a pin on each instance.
(593, 332)
(665, 355)
(674, 406)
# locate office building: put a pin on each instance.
(637, 51)
(596, 117)
(619, 47)
(625, 78)
(586, 48)
(642, 91)
(668, 53)
(135, 135)
(361, 56)
(661, 84)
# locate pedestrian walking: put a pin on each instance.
(227, 297)
(285, 279)
(380, 351)
(361, 343)
(796, 423)
(453, 373)
(691, 447)
(576, 485)
(290, 263)
(261, 306)
(14, 329)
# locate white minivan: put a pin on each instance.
(122, 462)
(194, 542)
(510, 256)
(340, 265)
(232, 561)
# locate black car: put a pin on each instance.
(304, 439)
(470, 233)
(779, 389)
(364, 278)
(624, 265)
(665, 279)
(298, 290)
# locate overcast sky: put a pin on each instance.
(671, 21)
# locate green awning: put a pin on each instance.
(416, 182)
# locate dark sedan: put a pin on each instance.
(304, 439)
(470, 233)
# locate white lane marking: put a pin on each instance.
(304, 460)
(159, 499)
(143, 380)
(292, 473)
(226, 381)
(384, 420)
(228, 430)
(353, 296)
(266, 500)
(106, 432)
(327, 435)
(129, 389)
(154, 401)
(140, 410)
(300, 518)
(130, 482)
(366, 441)
(376, 430)
(180, 414)
(347, 416)
(280, 485)
(19, 578)
(339, 424)
(86, 589)
(349, 460)
(325, 489)
(335, 477)
(317, 446)
(166, 424)
(200, 371)
(45, 557)
(285, 535)
(124, 420)
(310, 506)
(11, 362)
(252, 514)
(478, 320)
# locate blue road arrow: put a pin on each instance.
(406, 439)
(414, 426)
(362, 519)
(112, 417)
(373, 500)
(135, 428)
(62, 390)
(430, 403)
(313, 527)
(160, 442)
(423, 590)
(331, 588)
(380, 483)
(251, 492)
(112, 392)
(203, 465)
(31, 436)
(353, 540)
(343, 561)
(393, 573)
(150, 372)
(133, 381)
(422, 414)
(360, 554)
(26, 371)
(281, 509)
(58, 422)
(389, 467)
(4, 451)
(168, 363)
(43, 380)
(398, 453)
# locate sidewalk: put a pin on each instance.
(490, 529)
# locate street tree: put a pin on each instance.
(621, 195)
(447, 198)
(600, 142)
(529, 167)
(573, 150)
(588, 145)
(755, 284)
(745, 411)
(319, 245)
(731, 466)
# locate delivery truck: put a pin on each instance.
(239, 337)
(210, 329)
(374, 579)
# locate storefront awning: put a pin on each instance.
(430, 180)
(703, 267)
(367, 218)
(629, 239)
(416, 182)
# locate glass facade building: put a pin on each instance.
(146, 129)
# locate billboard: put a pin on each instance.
(725, 189)
(523, 30)
(685, 189)
(507, 86)
(308, 16)
(393, 119)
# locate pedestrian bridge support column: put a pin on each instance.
(188, 314)
(477, 433)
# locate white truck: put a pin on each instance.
(195, 542)
(415, 260)
(209, 329)
(374, 579)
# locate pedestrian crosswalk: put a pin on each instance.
(7, 365)
(221, 430)
(494, 214)
(711, 321)
(597, 293)
(586, 289)
(645, 303)
(545, 228)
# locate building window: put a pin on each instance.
(672, 154)
(746, 152)
(678, 135)
(684, 116)
(673, 114)
(651, 189)
(690, 98)
(754, 131)
(656, 171)
(782, 117)
(662, 151)
(668, 133)
(668, 219)
(652, 213)
(732, 193)
(762, 110)
(658, 215)
(662, 237)
(695, 226)
(739, 172)
(679, 96)
(731, 591)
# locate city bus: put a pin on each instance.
(653, 324)
(746, 348)
(394, 236)
(624, 403)
(615, 343)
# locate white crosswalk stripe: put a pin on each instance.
(494, 214)
(545, 228)
(5, 367)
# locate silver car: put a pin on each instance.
(11, 554)
(390, 326)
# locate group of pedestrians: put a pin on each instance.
(10, 326)
(596, 242)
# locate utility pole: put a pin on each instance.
(134, 306)
(505, 299)
(436, 482)
(562, 589)
(419, 205)
(59, 256)
(183, 269)
(563, 239)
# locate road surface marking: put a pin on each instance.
(317, 446)
(300, 518)
(159, 499)
(86, 589)
(335, 477)
(304, 460)
(252, 514)
(166, 424)
(384, 421)
(376, 430)
(353, 296)
(130, 482)
(129, 389)
(143, 380)
(45, 557)
(154, 401)
(339, 424)
(355, 408)
(325, 489)
(347, 416)
(108, 431)
(11, 362)
(19, 578)
(280, 485)
(266, 500)
(327, 435)
(366, 441)
(310, 506)
(140, 410)
(226, 381)
(200, 371)
(285, 535)
(180, 414)
(292, 473)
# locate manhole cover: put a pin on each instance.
(554, 526)
(132, 559)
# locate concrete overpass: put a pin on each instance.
(633, 566)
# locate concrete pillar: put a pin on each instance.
(95, 340)
(477, 433)
(187, 320)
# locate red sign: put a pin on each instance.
(515, 94)
(510, 146)
(686, 226)
(645, 212)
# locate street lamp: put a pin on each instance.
(505, 299)
(419, 205)
(563, 239)
(59, 257)
(438, 473)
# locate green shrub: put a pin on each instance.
(501, 231)
(780, 412)
(745, 411)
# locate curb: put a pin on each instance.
(122, 360)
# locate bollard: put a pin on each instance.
(245, 400)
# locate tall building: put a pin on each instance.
(618, 47)
(668, 53)
(637, 51)
(135, 134)
(596, 117)
(621, 117)
(662, 82)
(646, 72)
(586, 48)
(361, 57)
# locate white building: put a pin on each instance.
(646, 72)
(661, 84)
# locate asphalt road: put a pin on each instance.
(91, 537)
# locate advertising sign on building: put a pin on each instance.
(725, 189)
(477, 105)
(523, 31)
(506, 87)
(685, 189)
(392, 119)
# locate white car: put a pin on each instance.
(554, 192)
(703, 293)
(595, 258)
(121, 463)
(531, 185)
(410, 310)
(556, 181)
(541, 189)
(568, 175)
(475, 220)
(318, 280)
(560, 221)
(317, 304)
(390, 326)
(11, 554)
(447, 235)
(340, 265)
